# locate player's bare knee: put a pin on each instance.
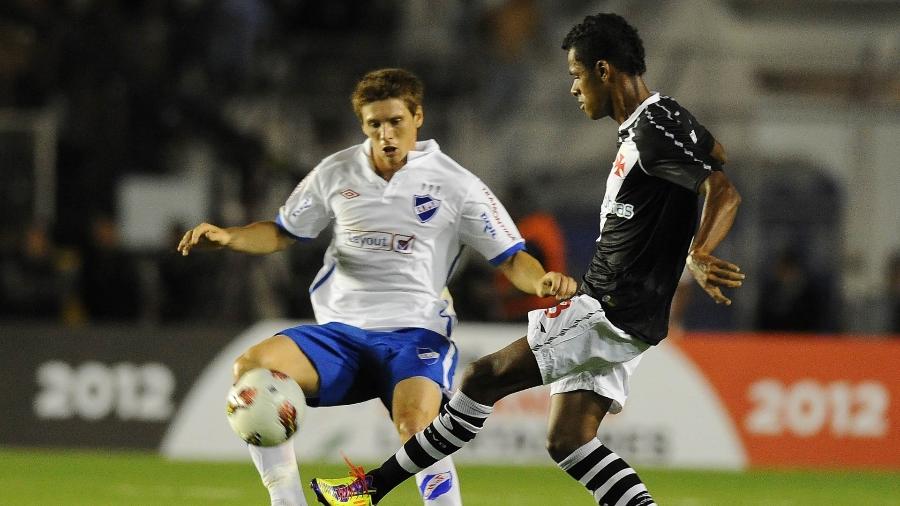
(250, 359)
(482, 380)
(477, 374)
(407, 427)
(561, 444)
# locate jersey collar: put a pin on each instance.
(422, 150)
(652, 99)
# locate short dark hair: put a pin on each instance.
(383, 84)
(607, 37)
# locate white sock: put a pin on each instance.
(439, 484)
(277, 466)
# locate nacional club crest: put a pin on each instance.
(425, 206)
(435, 485)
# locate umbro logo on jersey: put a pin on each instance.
(349, 194)
(425, 207)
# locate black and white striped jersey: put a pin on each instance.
(649, 216)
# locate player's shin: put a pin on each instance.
(457, 423)
(277, 466)
(609, 478)
(439, 484)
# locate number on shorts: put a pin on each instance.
(555, 311)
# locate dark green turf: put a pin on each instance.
(50, 478)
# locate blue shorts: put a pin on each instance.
(356, 365)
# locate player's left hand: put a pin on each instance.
(713, 273)
(557, 284)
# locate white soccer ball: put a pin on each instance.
(265, 408)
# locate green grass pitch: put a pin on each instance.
(95, 478)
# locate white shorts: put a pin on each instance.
(578, 348)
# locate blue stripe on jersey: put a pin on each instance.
(324, 279)
(286, 231)
(449, 318)
(515, 248)
(453, 264)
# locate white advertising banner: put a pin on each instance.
(673, 418)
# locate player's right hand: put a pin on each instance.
(713, 273)
(558, 285)
(203, 235)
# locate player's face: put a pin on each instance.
(592, 92)
(392, 128)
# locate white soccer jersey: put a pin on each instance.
(395, 243)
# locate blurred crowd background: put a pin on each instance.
(122, 124)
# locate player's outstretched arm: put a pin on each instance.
(528, 275)
(258, 238)
(719, 209)
(718, 152)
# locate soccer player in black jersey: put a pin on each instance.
(586, 348)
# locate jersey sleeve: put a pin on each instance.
(306, 211)
(486, 225)
(675, 149)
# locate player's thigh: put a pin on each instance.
(573, 420)
(416, 402)
(281, 353)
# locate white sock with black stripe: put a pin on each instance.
(609, 478)
(457, 423)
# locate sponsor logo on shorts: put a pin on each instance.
(428, 355)
(436, 485)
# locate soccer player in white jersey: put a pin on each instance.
(588, 347)
(401, 212)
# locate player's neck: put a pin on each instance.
(626, 97)
(385, 170)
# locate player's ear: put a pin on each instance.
(601, 68)
(419, 116)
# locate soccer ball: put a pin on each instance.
(264, 407)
